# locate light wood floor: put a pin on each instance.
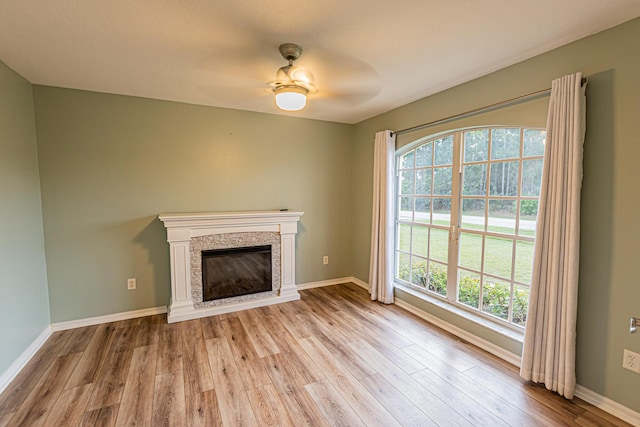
(333, 358)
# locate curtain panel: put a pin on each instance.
(381, 261)
(550, 335)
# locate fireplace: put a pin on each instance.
(198, 244)
(234, 272)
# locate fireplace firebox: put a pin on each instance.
(233, 272)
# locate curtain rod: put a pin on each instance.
(497, 105)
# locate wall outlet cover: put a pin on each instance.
(631, 361)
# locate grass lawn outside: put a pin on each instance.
(432, 243)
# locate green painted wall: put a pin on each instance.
(24, 305)
(110, 164)
(610, 236)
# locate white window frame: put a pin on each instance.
(454, 229)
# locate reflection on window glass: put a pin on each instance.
(531, 177)
(473, 214)
(504, 179)
(470, 254)
(528, 214)
(442, 181)
(420, 245)
(405, 209)
(498, 254)
(505, 144)
(403, 271)
(469, 288)
(437, 278)
(406, 182)
(502, 216)
(524, 262)
(444, 150)
(404, 237)
(406, 161)
(423, 155)
(474, 180)
(441, 211)
(534, 142)
(496, 298)
(476, 143)
(423, 210)
(423, 181)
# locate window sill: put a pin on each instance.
(513, 334)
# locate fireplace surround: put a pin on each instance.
(189, 234)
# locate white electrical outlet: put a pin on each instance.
(325, 260)
(131, 284)
(631, 361)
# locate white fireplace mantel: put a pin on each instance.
(182, 227)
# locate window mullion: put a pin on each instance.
(454, 229)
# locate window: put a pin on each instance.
(466, 210)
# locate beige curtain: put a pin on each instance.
(550, 337)
(381, 261)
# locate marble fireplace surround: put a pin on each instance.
(189, 233)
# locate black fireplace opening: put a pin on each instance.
(233, 272)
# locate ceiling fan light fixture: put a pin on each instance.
(291, 97)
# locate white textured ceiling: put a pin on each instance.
(367, 56)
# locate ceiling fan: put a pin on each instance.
(292, 83)
(328, 77)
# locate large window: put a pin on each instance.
(466, 211)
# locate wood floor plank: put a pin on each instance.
(212, 327)
(112, 374)
(148, 334)
(468, 408)
(358, 398)
(93, 356)
(258, 334)
(268, 407)
(286, 314)
(102, 417)
(289, 381)
(169, 402)
(36, 407)
(340, 349)
(195, 361)
(421, 396)
(70, 407)
(78, 341)
(137, 398)
(392, 352)
(335, 409)
(296, 356)
(396, 403)
(246, 359)
(232, 399)
(169, 350)
(202, 410)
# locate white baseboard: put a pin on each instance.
(14, 369)
(322, 283)
(360, 283)
(608, 405)
(90, 321)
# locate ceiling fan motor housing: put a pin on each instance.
(290, 51)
